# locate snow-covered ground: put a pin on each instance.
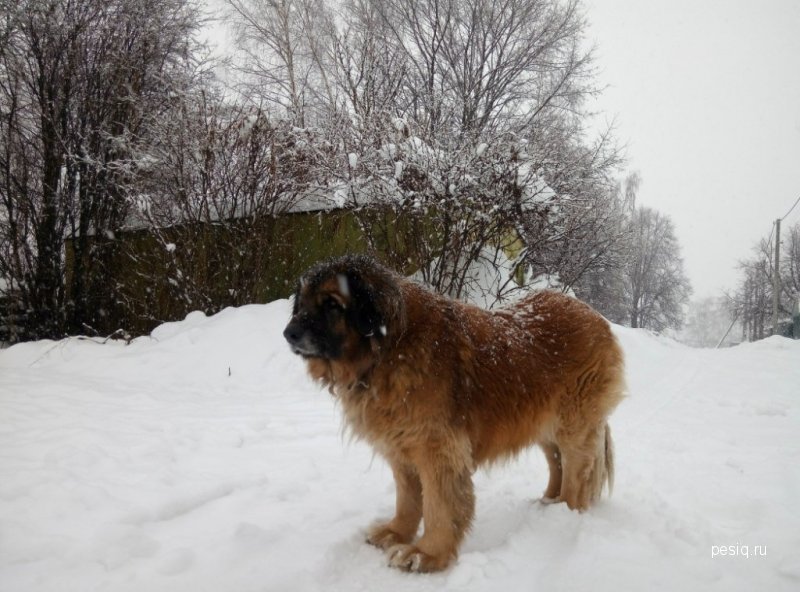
(201, 458)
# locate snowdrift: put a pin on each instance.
(201, 458)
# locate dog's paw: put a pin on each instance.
(550, 500)
(411, 558)
(383, 536)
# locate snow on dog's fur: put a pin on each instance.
(439, 387)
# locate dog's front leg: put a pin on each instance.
(404, 525)
(448, 506)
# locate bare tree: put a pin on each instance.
(369, 71)
(607, 252)
(458, 112)
(473, 65)
(79, 80)
(214, 183)
(287, 48)
(790, 267)
(656, 287)
(753, 298)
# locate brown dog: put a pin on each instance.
(439, 387)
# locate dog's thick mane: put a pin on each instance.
(377, 307)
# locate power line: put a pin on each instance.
(786, 215)
(790, 209)
(776, 277)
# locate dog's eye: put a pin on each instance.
(333, 305)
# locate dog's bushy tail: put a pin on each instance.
(602, 466)
(609, 460)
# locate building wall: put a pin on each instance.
(161, 275)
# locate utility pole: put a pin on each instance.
(796, 315)
(776, 277)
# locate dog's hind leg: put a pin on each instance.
(553, 455)
(585, 469)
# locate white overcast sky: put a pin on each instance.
(706, 96)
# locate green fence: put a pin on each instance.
(158, 276)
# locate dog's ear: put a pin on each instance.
(365, 306)
(375, 302)
(296, 295)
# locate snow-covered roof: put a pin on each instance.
(359, 190)
(317, 201)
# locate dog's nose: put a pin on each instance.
(292, 333)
